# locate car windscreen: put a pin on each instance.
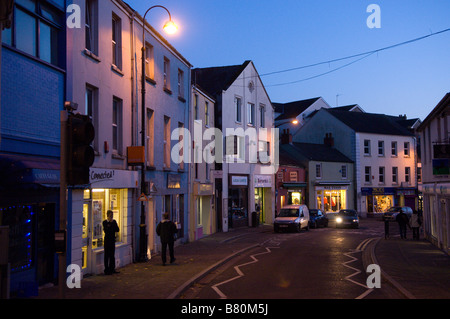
(393, 210)
(286, 212)
(347, 213)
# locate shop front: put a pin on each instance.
(380, 199)
(332, 198)
(263, 194)
(238, 201)
(205, 216)
(110, 190)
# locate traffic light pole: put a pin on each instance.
(63, 201)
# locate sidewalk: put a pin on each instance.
(416, 269)
(152, 280)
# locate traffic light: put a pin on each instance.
(81, 155)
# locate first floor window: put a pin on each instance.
(367, 174)
(117, 126)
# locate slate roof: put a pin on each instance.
(292, 109)
(299, 153)
(370, 122)
(214, 80)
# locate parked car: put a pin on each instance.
(292, 217)
(392, 212)
(347, 217)
(317, 218)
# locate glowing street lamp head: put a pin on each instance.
(295, 122)
(170, 27)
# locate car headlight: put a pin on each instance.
(338, 220)
(355, 220)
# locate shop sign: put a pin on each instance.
(203, 189)
(112, 178)
(173, 181)
(239, 180)
(369, 191)
(293, 176)
(262, 181)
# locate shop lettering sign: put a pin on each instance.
(263, 181)
(239, 180)
(97, 176)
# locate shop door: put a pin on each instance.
(45, 248)
(86, 246)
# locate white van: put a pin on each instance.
(292, 217)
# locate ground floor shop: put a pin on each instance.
(380, 199)
(203, 205)
(333, 198)
(111, 189)
(436, 214)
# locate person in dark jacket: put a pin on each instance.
(110, 229)
(166, 230)
(403, 221)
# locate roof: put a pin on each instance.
(293, 109)
(370, 122)
(299, 153)
(214, 80)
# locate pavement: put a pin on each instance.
(415, 268)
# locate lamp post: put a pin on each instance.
(170, 28)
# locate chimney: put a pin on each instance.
(328, 140)
(286, 137)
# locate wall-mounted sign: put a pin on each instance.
(239, 180)
(262, 181)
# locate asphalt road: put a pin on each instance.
(324, 263)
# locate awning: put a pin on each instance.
(22, 170)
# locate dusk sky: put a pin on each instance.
(280, 35)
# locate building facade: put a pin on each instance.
(33, 74)
(435, 151)
(105, 59)
(246, 158)
(203, 219)
(383, 152)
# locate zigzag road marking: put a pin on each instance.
(358, 249)
(275, 243)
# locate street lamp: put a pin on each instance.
(169, 27)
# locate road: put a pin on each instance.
(319, 263)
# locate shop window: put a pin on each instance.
(102, 201)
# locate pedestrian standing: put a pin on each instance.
(402, 220)
(110, 229)
(166, 230)
(415, 223)
(386, 227)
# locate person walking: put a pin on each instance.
(166, 230)
(415, 223)
(110, 229)
(386, 227)
(402, 220)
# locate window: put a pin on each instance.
(251, 114)
(91, 109)
(166, 163)
(180, 83)
(206, 113)
(394, 175)
(91, 26)
(262, 116)
(264, 151)
(318, 170)
(380, 148)
(406, 149)
(149, 62)
(419, 174)
(368, 175)
(238, 109)
(381, 175)
(37, 29)
(408, 175)
(150, 130)
(116, 41)
(117, 126)
(196, 107)
(166, 74)
(180, 141)
(235, 146)
(394, 149)
(198, 208)
(367, 147)
(344, 171)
